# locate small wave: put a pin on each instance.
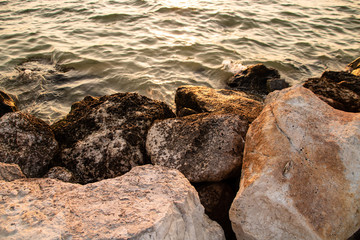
(114, 17)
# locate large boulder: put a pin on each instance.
(204, 147)
(149, 202)
(28, 142)
(204, 99)
(340, 90)
(7, 104)
(300, 175)
(10, 172)
(105, 137)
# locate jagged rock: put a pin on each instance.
(353, 65)
(9, 172)
(7, 104)
(28, 142)
(300, 175)
(105, 137)
(257, 79)
(340, 90)
(61, 174)
(204, 99)
(149, 202)
(204, 147)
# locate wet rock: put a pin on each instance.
(204, 147)
(204, 99)
(300, 175)
(61, 174)
(340, 90)
(257, 79)
(28, 142)
(105, 137)
(7, 104)
(10, 172)
(149, 202)
(354, 67)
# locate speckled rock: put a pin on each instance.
(300, 175)
(204, 147)
(28, 142)
(61, 174)
(204, 99)
(105, 137)
(149, 202)
(10, 172)
(7, 104)
(340, 90)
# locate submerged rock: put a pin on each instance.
(7, 104)
(300, 175)
(204, 99)
(10, 172)
(340, 90)
(204, 147)
(105, 137)
(149, 202)
(61, 174)
(28, 142)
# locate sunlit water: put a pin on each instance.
(154, 46)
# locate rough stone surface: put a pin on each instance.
(257, 79)
(204, 99)
(354, 65)
(7, 104)
(10, 172)
(301, 171)
(28, 142)
(204, 147)
(340, 90)
(149, 202)
(61, 174)
(105, 137)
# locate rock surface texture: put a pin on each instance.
(354, 67)
(204, 147)
(204, 99)
(10, 172)
(7, 104)
(149, 202)
(340, 90)
(300, 175)
(28, 142)
(61, 174)
(105, 137)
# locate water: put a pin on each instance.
(154, 46)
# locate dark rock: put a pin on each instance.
(353, 65)
(204, 99)
(7, 104)
(257, 79)
(10, 172)
(204, 147)
(61, 174)
(28, 142)
(340, 90)
(105, 137)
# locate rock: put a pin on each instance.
(204, 99)
(28, 142)
(257, 79)
(354, 65)
(356, 72)
(300, 175)
(105, 137)
(149, 202)
(7, 104)
(10, 172)
(61, 174)
(340, 90)
(204, 147)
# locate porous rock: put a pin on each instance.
(10, 172)
(300, 175)
(340, 90)
(149, 202)
(204, 147)
(7, 104)
(61, 174)
(105, 137)
(28, 142)
(204, 99)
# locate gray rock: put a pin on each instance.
(28, 142)
(9, 172)
(149, 202)
(61, 174)
(105, 137)
(204, 147)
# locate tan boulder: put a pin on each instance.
(300, 175)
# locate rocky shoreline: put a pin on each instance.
(128, 167)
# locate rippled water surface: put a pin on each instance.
(88, 47)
